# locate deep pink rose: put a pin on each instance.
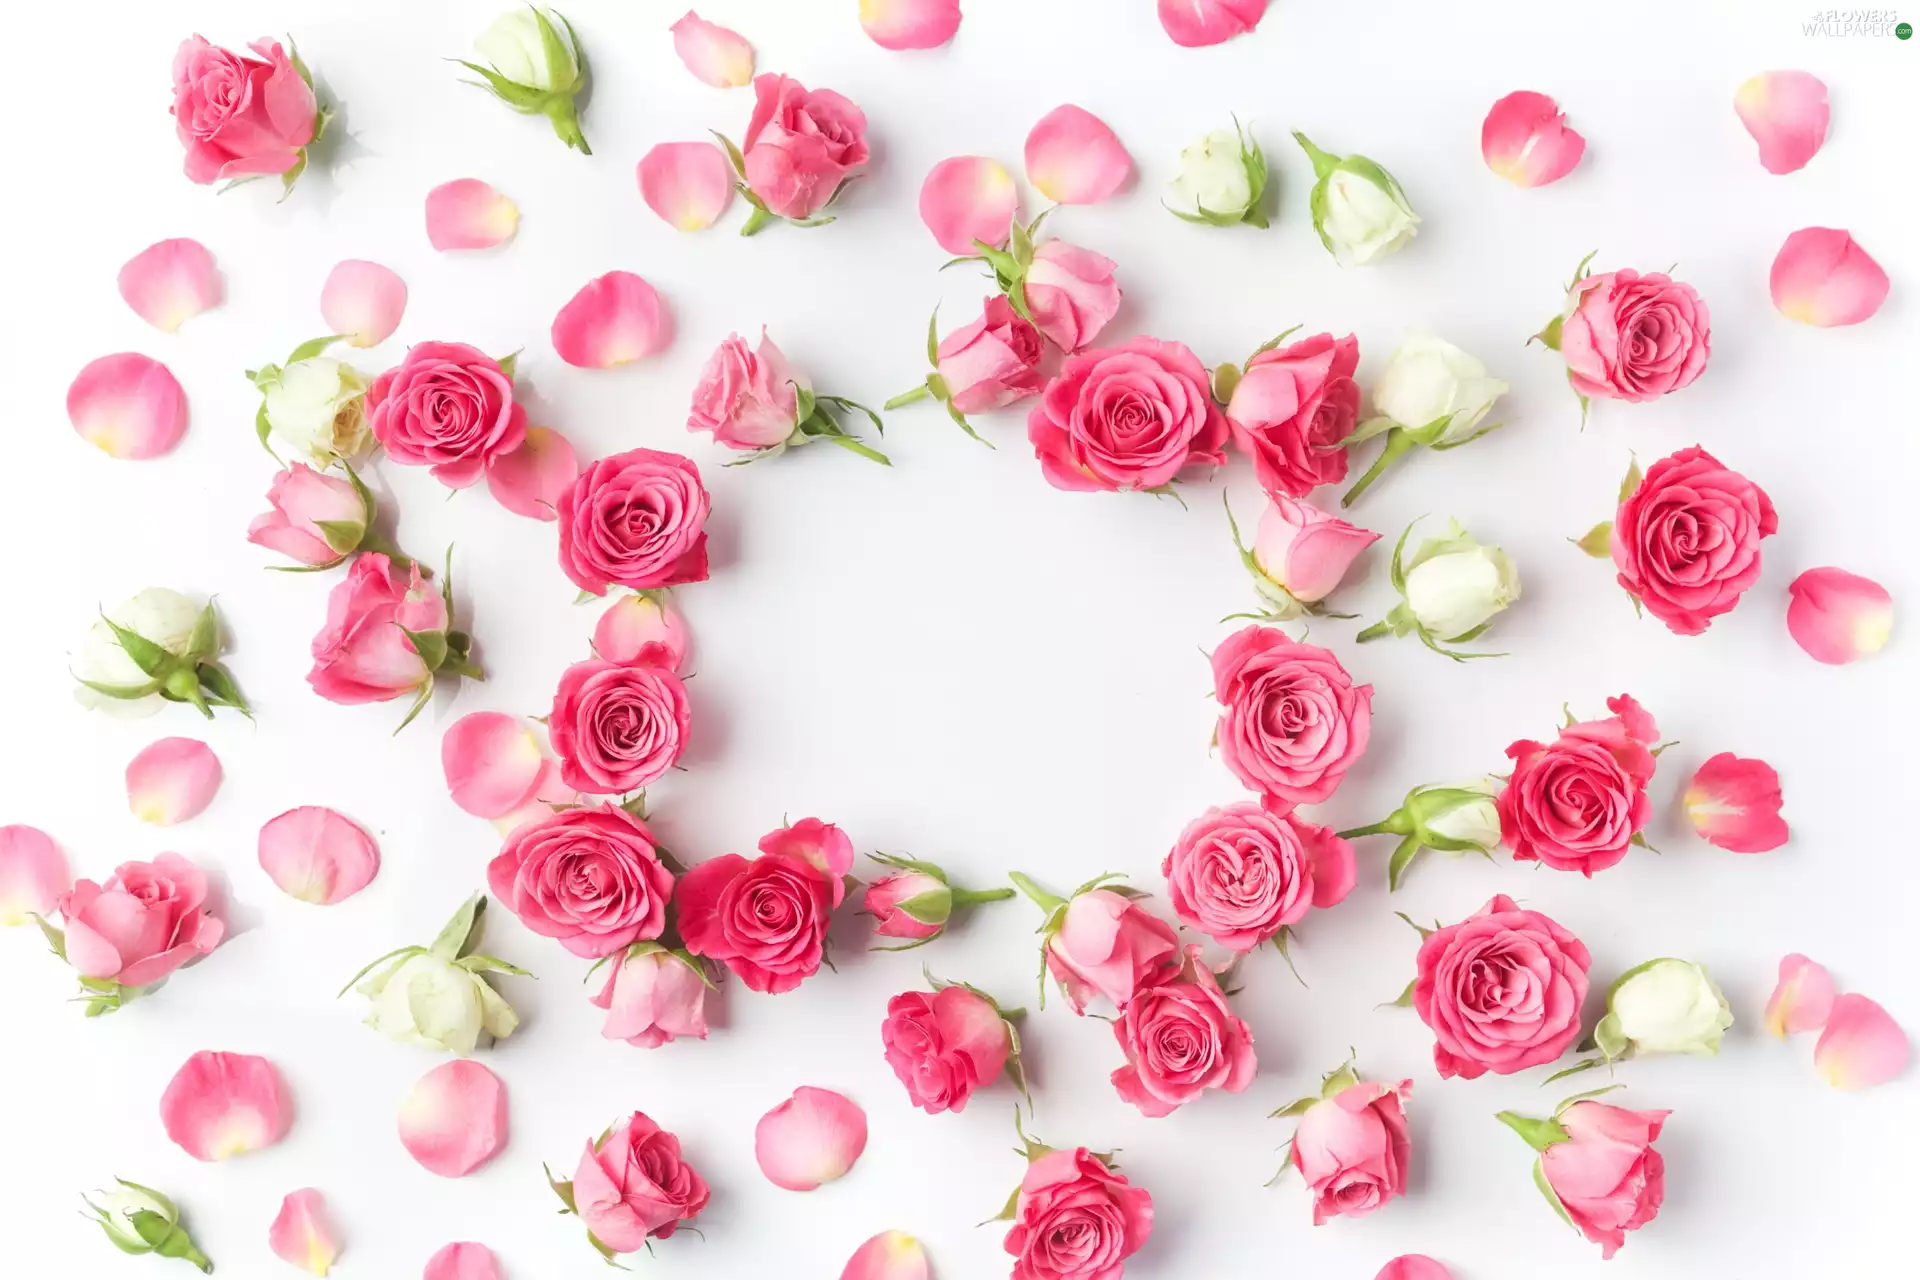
(1071, 293)
(1686, 541)
(634, 1185)
(1501, 990)
(1352, 1149)
(801, 145)
(992, 362)
(1294, 721)
(237, 116)
(944, 1044)
(1076, 1219)
(146, 921)
(637, 519)
(1291, 409)
(1607, 1175)
(747, 399)
(1108, 945)
(766, 919)
(652, 997)
(616, 727)
(1181, 1038)
(1127, 417)
(591, 878)
(302, 499)
(1243, 873)
(1577, 803)
(1626, 336)
(363, 654)
(447, 406)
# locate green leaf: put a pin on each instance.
(462, 932)
(1597, 541)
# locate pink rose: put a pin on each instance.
(237, 116)
(1606, 1174)
(766, 919)
(363, 653)
(303, 500)
(1243, 873)
(945, 1044)
(1352, 1149)
(1104, 944)
(1501, 990)
(1181, 1038)
(1071, 294)
(447, 406)
(1304, 551)
(633, 1185)
(1294, 721)
(1626, 336)
(992, 362)
(1076, 1219)
(801, 145)
(616, 727)
(591, 878)
(1127, 417)
(652, 997)
(1291, 409)
(1686, 541)
(886, 900)
(1577, 804)
(637, 519)
(146, 921)
(747, 399)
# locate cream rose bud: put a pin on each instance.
(1361, 213)
(1221, 180)
(165, 617)
(516, 47)
(317, 407)
(139, 1220)
(1463, 815)
(1664, 1006)
(429, 1001)
(1459, 588)
(1435, 391)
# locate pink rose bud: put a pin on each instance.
(654, 996)
(1822, 278)
(33, 875)
(1598, 1167)
(1465, 972)
(1735, 804)
(1101, 942)
(1803, 998)
(1070, 293)
(1610, 761)
(387, 635)
(1180, 1039)
(946, 1044)
(1861, 1045)
(1688, 582)
(225, 1104)
(1628, 336)
(801, 148)
(319, 520)
(1351, 1145)
(131, 933)
(303, 1235)
(811, 1139)
(1291, 410)
(1299, 555)
(633, 1185)
(1075, 1195)
(916, 901)
(241, 117)
(989, 364)
(1260, 676)
(1838, 617)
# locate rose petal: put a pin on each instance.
(1193, 24)
(1786, 112)
(225, 1104)
(1802, 1000)
(454, 1119)
(715, 54)
(910, 24)
(317, 856)
(530, 480)
(1525, 140)
(363, 301)
(1073, 158)
(812, 1138)
(612, 321)
(491, 761)
(1414, 1266)
(689, 184)
(1838, 616)
(303, 1234)
(172, 780)
(1735, 804)
(549, 789)
(1822, 277)
(968, 198)
(128, 406)
(641, 630)
(468, 214)
(33, 874)
(169, 283)
(1861, 1046)
(891, 1255)
(463, 1261)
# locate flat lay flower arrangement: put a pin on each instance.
(630, 967)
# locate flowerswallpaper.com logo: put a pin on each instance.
(1857, 22)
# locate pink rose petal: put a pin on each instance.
(689, 184)
(169, 283)
(463, 1261)
(303, 1234)
(468, 214)
(1414, 1266)
(317, 856)
(1822, 277)
(891, 1255)
(715, 54)
(363, 301)
(128, 406)
(1838, 616)
(455, 1118)
(225, 1104)
(172, 780)
(1786, 112)
(910, 24)
(1073, 158)
(641, 630)
(530, 480)
(491, 761)
(812, 1138)
(1193, 24)
(1735, 804)
(612, 321)
(33, 874)
(549, 789)
(1802, 1000)
(1861, 1046)
(968, 198)
(1526, 140)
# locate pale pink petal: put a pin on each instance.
(1838, 616)
(172, 780)
(33, 875)
(454, 1119)
(128, 406)
(891, 1255)
(1735, 804)
(1861, 1045)
(715, 54)
(468, 214)
(1414, 1266)
(812, 1138)
(491, 761)
(169, 283)
(303, 1234)
(1802, 1000)
(1073, 158)
(612, 321)
(689, 184)
(1786, 112)
(968, 198)
(225, 1104)
(548, 790)
(317, 856)
(1193, 24)
(1526, 140)
(910, 24)
(363, 301)
(463, 1261)
(530, 480)
(641, 630)
(1822, 277)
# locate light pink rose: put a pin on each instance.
(1304, 551)
(1577, 803)
(1686, 541)
(616, 727)
(302, 499)
(884, 896)
(1076, 1219)
(147, 920)
(591, 878)
(1501, 990)
(1243, 873)
(447, 406)
(1291, 409)
(633, 1185)
(1108, 945)
(637, 519)
(1628, 336)
(1127, 417)
(747, 399)
(801, 145)
(363, 654)
(766, 919)
(1294, 722)
(992, 362)
(652, 997)
(1352, 1149)
(945, 1044)
(239, 117)
(1607, 1175)
(1071, 293)
(1181, 1038)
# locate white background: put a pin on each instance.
(951, 659)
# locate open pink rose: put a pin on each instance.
(1607, 1176)
(239, 117)
(765, 919)
(992, 362)
(1075, 1218)
(633, 1185)
(1294, 722)
(1628, 336)
(801, 145)
(1501, 990)
(1292, 408)
(590, 877)
(616, 727)
(637, 519)
(1686, 541)
(447, 406)
(1071, 293)
(1181, 1038)
(653, 997)
(147, 920)
(1127, 417)
(748, 399)
(363, 654)
(1108, 945)
(1576, 804)
(303, 500)
(1353, 1148)
(1242, 873)
(945, 1044)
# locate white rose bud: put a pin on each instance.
(439, 997)
(1431, 393)
(317, 406)
(535, 68)
(1222, 178)
(1454, 819)
(1361, 213)
(1451, 590)
(139, 1220)
(157, 647)
(1664, 1006)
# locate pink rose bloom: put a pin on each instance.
(616, 727)
(447, 406)
(945, 1044)
(302, 499)
(801, 145)
(1076, 1219)
(146, 921)
(652, 997)
(1181, 1038)
(591, 878)
(1501, 990)
(633, 1186)
(363, 654)
(1108, 945)
(1607, 1175)
(884, 897)
(1243, 873)
(747, 399)
(992, 362)
(1686, 541)
(1352, 1149)
(1626, 336)
(1291, 409)
(1577, 804)
(766, 919)
(239, 117)
(1294, 721)
(637, 519)
(1127, 417)
(1071, 293)
(1304, 551)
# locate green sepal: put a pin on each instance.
(1403, 855)
(151, 658)
(55, 936)
(1323, 163)
(430, 645)
(264, 429)
(509, 364)
(462, 932)
(562, 1188)
(738, 161)
(1298, 1107)
(1538, 1134)
(122, 692)
(1631, 481)
(1424, 933)
(1597, 541)
(522, 98)
(408, 951)
(1549, 337)
(313, 347)
(1586, 1064)
(1588, 1096)
(1050, 903)
(933, 907)
(1546, 1189)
